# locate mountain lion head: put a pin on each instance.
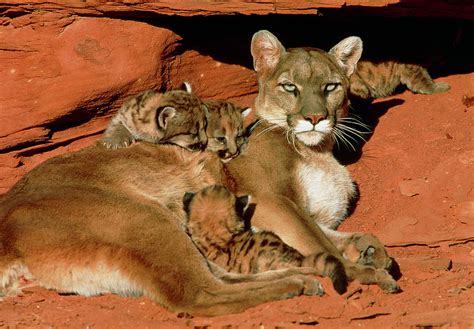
(304, 90)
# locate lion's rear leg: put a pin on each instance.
(233, 298)
(188, 285)
(231, 277)
(147, 255)
(182, 287)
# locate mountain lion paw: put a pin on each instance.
(312, 287)
(367, 249)
(388, 284)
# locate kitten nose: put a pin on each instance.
(314, 119)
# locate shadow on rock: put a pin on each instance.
(359, 127)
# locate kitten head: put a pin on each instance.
(174, 117)
(226, 134)
(216, 212)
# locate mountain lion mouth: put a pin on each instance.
(310, 134)
(311, 138)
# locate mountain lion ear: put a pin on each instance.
(187, 198)
(241, 205)
(266, 51)
(186, 86)
(165, 115)
(347, 53)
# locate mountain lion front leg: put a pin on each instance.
(281, 216)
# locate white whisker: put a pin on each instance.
(348, 135)
(340, 134)
(293, 137)
(352, 131)
(288, 136)
(268, 129)
(354, 121)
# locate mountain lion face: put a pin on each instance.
(304, 90)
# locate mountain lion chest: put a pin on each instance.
(326, 189)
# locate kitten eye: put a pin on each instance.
(330, 87)
(289, 87)
(221, 140)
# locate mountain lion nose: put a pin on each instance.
(314, 119)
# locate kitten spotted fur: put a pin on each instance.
(219, 225)
(174, 117)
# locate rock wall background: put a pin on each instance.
(67, 68)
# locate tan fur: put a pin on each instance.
(298, 185)
(89, 223)
(219, 225)
(175, 117)
(373, 80)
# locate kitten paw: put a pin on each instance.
(441, 87)
(113, 144)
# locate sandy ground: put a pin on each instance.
(416, 181)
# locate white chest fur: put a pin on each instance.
(327, 189)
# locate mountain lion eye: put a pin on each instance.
(289, 87)
(330, 87)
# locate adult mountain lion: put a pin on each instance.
(289, 168)
(102, 220)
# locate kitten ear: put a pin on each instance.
(347, 53)
(266, 51)
(186, 86)
(246, 112)
(187, 198)
(241, 205)
(165, 115)
(206, 110)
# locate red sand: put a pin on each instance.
(416, 181)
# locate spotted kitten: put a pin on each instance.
(225, 130)
(174, 117)
(373, 80)
(219, 225)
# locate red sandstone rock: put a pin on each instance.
(213, 79)
(458, 9)
(61, 72)
(64, 76)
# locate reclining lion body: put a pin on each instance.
(99, 221)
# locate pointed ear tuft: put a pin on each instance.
(347, 53)
(186, 86)
(187, 198)
(165, 115)
(241, 205)
(266, 51)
